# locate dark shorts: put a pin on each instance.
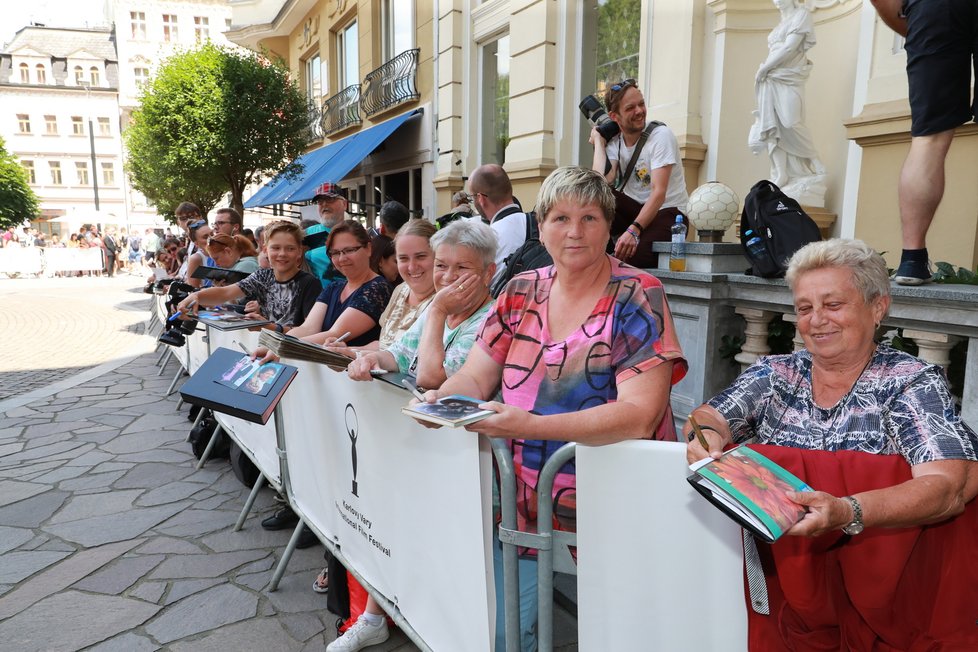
(941, 45)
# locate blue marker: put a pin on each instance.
(178, 314)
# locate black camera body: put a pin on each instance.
(593, 110)
(176, 331)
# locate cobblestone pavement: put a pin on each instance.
(57, 327)
(111, 540)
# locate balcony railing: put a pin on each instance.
(392, 84)
(315, 120)
(342, 110)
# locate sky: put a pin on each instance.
(53, 13)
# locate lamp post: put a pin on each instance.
(91, 143)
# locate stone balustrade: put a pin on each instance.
(714, 298)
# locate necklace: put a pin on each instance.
(839, 407)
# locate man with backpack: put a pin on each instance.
(646, 163)
(492, 193)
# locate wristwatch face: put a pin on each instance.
(853, 528)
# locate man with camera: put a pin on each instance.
(645, 169)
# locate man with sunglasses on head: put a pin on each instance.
(656, 180)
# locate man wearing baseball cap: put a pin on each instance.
(332, 205)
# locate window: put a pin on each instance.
(51, 124)
(93, 76)
(495, 100)
(81, 169)
(202, 30)
(141, 75)
(170, 28)
(55, 167)
(79, 75)
(314, 79)
(397, 19)
(42, 75)
(108, 174)
(348, 55)
(29, 171)
(138, 21)
(23, 123)
(104, 127)
(77, 125)
(25, 73)
(227, 24)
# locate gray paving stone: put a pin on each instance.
(112, 419)
(168, 493)
(255, 634)
(254, 581)
(129, 401)
(302, 626)
(154, 422)
(250, 538)
(22, 411)
(32, 512)
(53, 438)
(82, 390)
(149, 591)
(64, 473)
(213, 502)
(207, 565)
(81, 507)
(82, 620)
(55, 544)
(152, 474)
(91, 482)
(114, 527)
(28, 470)
(35, 543)
(204, 611)
(180, 589)
(163, 456)
(97, 435)
(11, 537)
(42, 430)
(260, 565)
(91, 458)
(168, 546)
(295, 594)
(105, 467)
(12, 491)
(60, 450)
(141, 441)
(19, 565)
(12, 447)
(127, 642)
(10, 433)
(120, 575)
(196, 522)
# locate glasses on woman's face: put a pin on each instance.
(349, 251)
(622, 85)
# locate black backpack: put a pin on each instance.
(201, 435)
(772, 228)
(531, 255)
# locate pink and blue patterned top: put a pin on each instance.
(628, 332)
(899, 406)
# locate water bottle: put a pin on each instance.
(677, 253)
(755, 246)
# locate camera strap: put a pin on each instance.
(649, 128)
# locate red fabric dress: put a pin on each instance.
(907, 589)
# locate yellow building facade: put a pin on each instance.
(500, 80)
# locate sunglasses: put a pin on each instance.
(197, 225)
(622, 85)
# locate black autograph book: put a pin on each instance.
(232, 383)
(220, 274)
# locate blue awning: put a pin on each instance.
(331, 162)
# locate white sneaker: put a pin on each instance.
(361, 635)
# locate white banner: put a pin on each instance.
(659, 568)
(256, 440)
(196, 349)
(71, 259)
(20, 260)
(408, 506)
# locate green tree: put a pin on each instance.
(212, 121)
(18, 203)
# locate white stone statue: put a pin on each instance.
(779, 124)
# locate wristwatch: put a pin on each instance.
(856, 525)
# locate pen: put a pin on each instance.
(179, 313)
(699, 433)
(414, 390)
(244, 348)
(341, 338)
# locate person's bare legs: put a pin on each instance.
(922, 186)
